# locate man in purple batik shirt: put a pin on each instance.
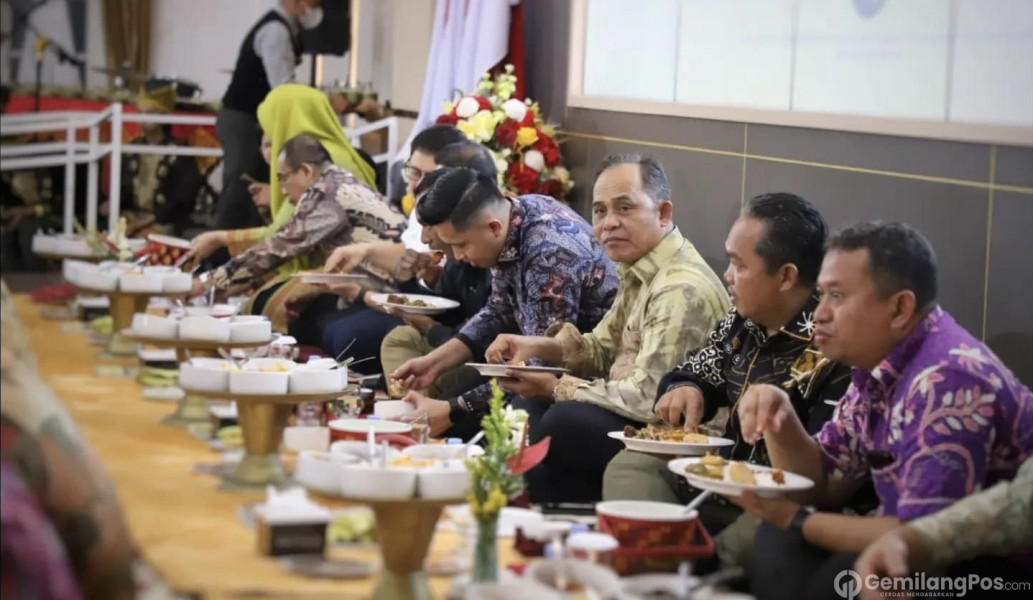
(931, 416)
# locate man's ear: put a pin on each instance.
(902, 308)
(666, 210)
(788, 277)
(495, 225)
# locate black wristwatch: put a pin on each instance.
(456, 411)
(796, 526)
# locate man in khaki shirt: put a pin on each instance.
(667, 301)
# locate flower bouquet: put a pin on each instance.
(523, 145)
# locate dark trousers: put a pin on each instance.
(579, 450)
(241, 139)
(16, 244)
(783, 566)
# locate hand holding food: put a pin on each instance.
(682, 406)
(345, 259)
(511, 349)
(763, 407)
(418, 373)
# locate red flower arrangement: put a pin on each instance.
(523, 145)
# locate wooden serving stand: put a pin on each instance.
(123, 306)
(405, 529)
(262, 418)
(192, 410)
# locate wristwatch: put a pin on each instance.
(456, 410)
(796, 526)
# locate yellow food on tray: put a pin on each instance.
(740, 472)
(665, 434)
(408, 461)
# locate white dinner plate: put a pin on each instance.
(489, 370)
(437, 305)
(168, 240)
(672, 448)
(329, 278)
(765, 485)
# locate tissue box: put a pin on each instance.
(279, 539)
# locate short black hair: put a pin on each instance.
(651, 173)
(794, 233)
(304, 149)
(434, 138)
(899, 258)
(467, 153)
(457, 195)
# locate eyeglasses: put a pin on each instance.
(283, 176)
(412, 174)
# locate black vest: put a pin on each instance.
(249, 84)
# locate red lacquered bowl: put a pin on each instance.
(643, 524)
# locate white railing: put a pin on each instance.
(72, 152)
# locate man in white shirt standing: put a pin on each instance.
(267, 58)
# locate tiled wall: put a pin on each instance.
(974, 202)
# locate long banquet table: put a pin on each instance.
(185, 528)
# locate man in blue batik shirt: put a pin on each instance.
(547, 267)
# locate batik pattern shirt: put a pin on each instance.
(667, 303)
(551, 270)
(740, 353)
(337, 210)
(938, 419)
(994, 522)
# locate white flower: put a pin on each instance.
(515, 109)
(506, 152)
(534, 160)
(467, 108)
(500, 164)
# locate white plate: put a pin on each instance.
(489, 370)
(765, 486)
(437, 305)
(168, 240)
(672, 448)
(329, 278)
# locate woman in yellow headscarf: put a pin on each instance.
(289, 110)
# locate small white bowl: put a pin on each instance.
(159, 270)
(440, 452)
(443, 482)
(205, 375)
(95, 278)
(278, 365)
(153, 326)
(217, 311)
(44, 243)
(360, 450)
(259, 330)
(364, 482)
(258, 383)
(177, 283)
(302, 438)
(73, 246)
(392, 409)
(70, 269)
(204, 328)
(141, 282)
(322, 471)
(314, 381)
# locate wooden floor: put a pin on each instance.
(185, 527)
